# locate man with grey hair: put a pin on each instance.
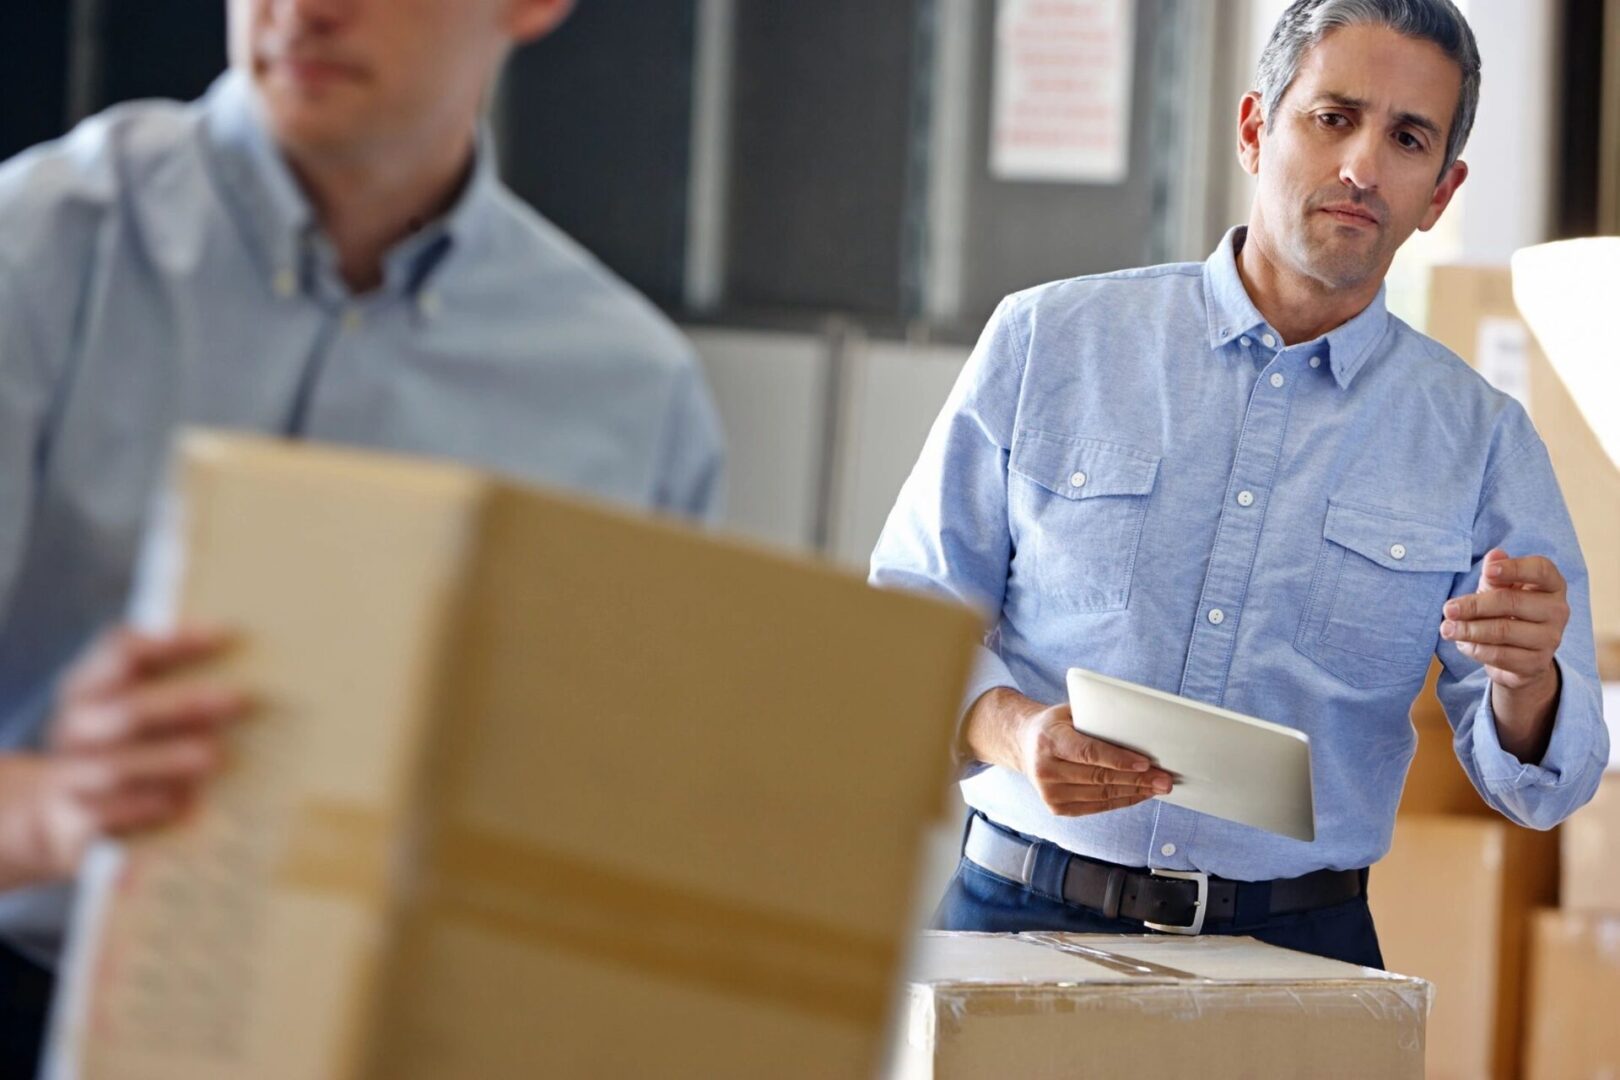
(1245, 482)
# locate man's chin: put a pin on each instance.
(309, 127)
(1342, 262)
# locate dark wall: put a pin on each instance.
(33, 72)
(124, 49)
(1580, 121)
(157, 48)
(821, 133)
(596, 124)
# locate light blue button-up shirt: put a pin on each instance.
(1136, 477)
(160, 266)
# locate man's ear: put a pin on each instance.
(1443, 191)
(531, 20)
(1250, 123)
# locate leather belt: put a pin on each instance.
(1173, 901)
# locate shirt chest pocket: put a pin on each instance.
(1374, 610)
(1077, 507)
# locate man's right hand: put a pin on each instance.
(129, 745)
(1074, 774)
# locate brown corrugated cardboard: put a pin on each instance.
(1471, 312)
(1050, 1006)
(537, 789)
(1451, 903)
(1574, 985)
(1591, 852)
(1436, 783)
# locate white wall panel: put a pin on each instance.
(772, 391)
(892, 392)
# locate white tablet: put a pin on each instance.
(1229, 765)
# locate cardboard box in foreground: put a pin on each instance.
(1451, 902)
(1574, 985)
(537, 789)
(1051, 1006)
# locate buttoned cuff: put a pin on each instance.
(1576, 734)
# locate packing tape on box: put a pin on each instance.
(563, 902)
(338, 847)
(1124, 965)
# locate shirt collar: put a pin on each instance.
(277, 218)
(1232, 314)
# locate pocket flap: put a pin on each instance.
(1396, 542)
(1082, 468)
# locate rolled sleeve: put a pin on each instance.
(1542, 794)
(947, 534)
(1523, 513)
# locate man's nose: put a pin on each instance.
(1361, 166)
(320, 13)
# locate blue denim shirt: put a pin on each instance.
(1133, 475)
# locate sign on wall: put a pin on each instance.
(1061, 99)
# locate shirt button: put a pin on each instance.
(1217, 616)
(1316, 361)
(1246, 342)
(1398, 551)
(1168, 849)
(285, 283)
(351, 320)
(428, 304)
(1277, 380)
(1268, 341)
(1245, 498)
(1078, 479)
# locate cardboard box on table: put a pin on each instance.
(1574, 988)
(1051, 1006)
(536, 789)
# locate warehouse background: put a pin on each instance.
(805, 186)
(806, 189)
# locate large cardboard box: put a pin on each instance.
(1056, 1006)
(1451, 902)
(536, 789)
(1591, 852)
(1574, 988)
(1471, 312)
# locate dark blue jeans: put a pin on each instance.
(979, 900)
(25, 999)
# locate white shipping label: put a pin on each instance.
(1502, 355)
(1062, 90)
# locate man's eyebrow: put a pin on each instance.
(1411, 119)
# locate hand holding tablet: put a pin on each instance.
(1226, 764)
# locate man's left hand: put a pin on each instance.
(1515, 622)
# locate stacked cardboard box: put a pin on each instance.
(1575, 963)
(1053, 1006)
(1455, 863)
(1452, 903)
(1575, 951)
(1471, 312)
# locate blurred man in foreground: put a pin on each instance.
(319, 248)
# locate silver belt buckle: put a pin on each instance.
(1197, 926)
